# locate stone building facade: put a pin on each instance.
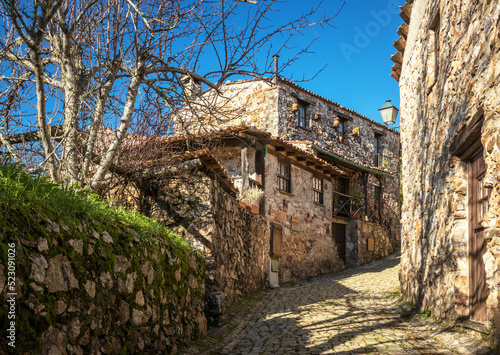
(448, 67)
(328, 175)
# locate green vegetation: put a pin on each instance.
(30, 200)
(32, 209)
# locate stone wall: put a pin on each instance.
(233, 240)
(308, 246)
(87, 292)
(359, 233)
(383, 245)
(442, 91)
(240, 251)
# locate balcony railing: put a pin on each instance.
(353, 207)
(347, 206)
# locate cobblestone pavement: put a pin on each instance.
(356, 311)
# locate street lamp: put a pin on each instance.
(389, 113)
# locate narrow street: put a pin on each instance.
(356, 311)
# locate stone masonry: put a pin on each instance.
(450, 89)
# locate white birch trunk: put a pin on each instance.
(120, 132)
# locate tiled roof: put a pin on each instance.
(301, 147)
(208, 164)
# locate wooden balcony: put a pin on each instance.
(347, 206)
(354, 208)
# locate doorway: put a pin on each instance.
(478, 206)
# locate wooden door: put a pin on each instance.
(478, 206)
(339, 237)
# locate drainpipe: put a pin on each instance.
(275, 78)
(365, 183)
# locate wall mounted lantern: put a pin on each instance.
(389, 113)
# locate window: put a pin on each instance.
(482, 196)
(301, 115)
(343, 185)
(318, 190)
(284, 177)
(377, 197)
(276, 240)
(376, 151)
(341, 128)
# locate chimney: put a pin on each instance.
(191, 87)
(275, 78)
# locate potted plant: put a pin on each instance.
(341, 138)
(336, 121)
(355, 131)
(251, 197)
(317, 116)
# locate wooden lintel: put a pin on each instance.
(469, 136)
(266, 140)
(238, 142)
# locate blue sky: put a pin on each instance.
(357, 53)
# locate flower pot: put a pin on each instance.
(295, 107)
(341, 139)
(254, 209)
(336, 121)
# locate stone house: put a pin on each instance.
(329, 176)
(448, 68)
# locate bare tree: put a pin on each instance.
(72, 70)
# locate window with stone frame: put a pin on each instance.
(302, 115)
(341, 128)
(284, 177)
(317, 190)
(377, 150)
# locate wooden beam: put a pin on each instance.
(301, 158)
(310, 163)
(291, 153)
(280, 149)
(403, 31)
(397, 58)
(400, 45)
(406, 12)
(56, 133)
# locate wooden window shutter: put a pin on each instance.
(277, 241)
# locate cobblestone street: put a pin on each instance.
(356, 311)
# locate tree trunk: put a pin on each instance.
(41, 116)
(120, 132)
